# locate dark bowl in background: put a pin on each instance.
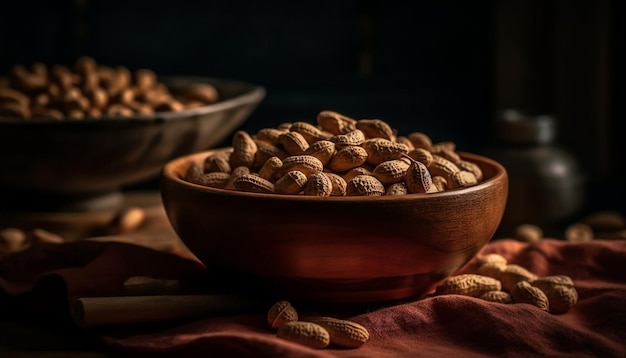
(82, 164)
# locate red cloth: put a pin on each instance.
(443, 326)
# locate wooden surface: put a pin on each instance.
(155, 232)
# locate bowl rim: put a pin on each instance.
(169, 173)
(251, 93)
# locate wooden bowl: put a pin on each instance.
(60, 164)
(335, 249)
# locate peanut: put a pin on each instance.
(98, 98)
(244, 150)
(25, 81)
(559, 290)
(354, 172)
(201, 92)
(338, 184)
(441, 166)
(293, 143)
(280, 313)
(318, 184)
(406, 141)
(13, 109)
(490, 265)
(560, 280)
(307, 164)
(470, 167)
(511, 274)
(440, 183)
(254, 184)
(194, 173)
(322, 150)
(310, 132)
(42, 236)
(285, 126)
(266, 151)
(397, 189)
(446, 151)
(421, 155)
(380, 150)
(306, 333)
(463, 179)
(119, 110)
(443, 146)
(468, 285)
(270, 169)
(11, 95)
(127, 220)
(418, 179)
(145, 79)
(492, 270)
(269, 135)
(291, 183)
(335, 123)
(375, 128)
(347, 158)
(579, 232)
(234, 174)
(354, 138)
(495, 259)
(343, 333)
(218, 162)
(497, 296)
(528, 233)
(391, 171)
(523, 292)
(213, 180)
(364, 185)
(420, 140)
(12, 240)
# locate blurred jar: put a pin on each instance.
(546, 182)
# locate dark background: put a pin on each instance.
(445, 68)
(418, 65)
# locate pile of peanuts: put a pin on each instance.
(337, 156)
(315, 332)
(494, 279)
(90, 90)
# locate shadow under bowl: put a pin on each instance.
(80, 164)
(334, 249)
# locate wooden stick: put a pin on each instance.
(100, 311)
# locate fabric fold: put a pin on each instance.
(434, 326)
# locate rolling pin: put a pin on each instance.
(101, 311)
(155, 300)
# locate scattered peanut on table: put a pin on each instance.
(315, 332)
(14, 239)
(494, 279)
(337, 156)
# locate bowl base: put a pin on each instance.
(337, 292)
